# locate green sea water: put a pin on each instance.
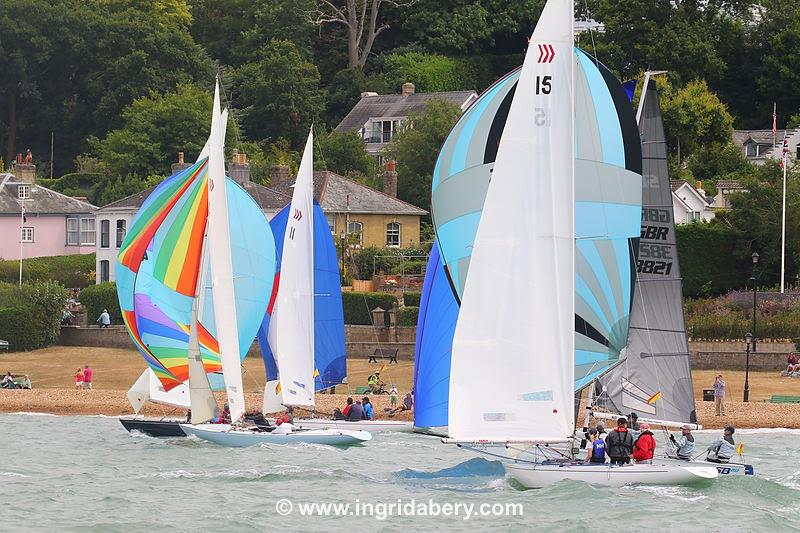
(89, 474)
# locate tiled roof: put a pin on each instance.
(729, 184)
(334, 193)
(676, 184)
(760, 136)
(42, 201)
(396, 105)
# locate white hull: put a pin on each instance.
(372, 426)
(724, 469)
(537, 475)
(227, 435)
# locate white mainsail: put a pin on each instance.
(219, 248)
(513, 350)
(291, 327)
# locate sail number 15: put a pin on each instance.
(543, 85)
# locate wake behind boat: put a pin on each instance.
(239, 437)
(358, 425)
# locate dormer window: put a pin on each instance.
(23, 192)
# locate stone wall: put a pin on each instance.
(730, 355)
(110, 337)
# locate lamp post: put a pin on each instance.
(755, 290)
(749, 340)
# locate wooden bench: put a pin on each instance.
(384, 353)
(780, 398)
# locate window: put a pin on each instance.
(104, 265)
(81, 231)
(73, 235)
(121, 228)
(383, 131)
(357, 229)
(105, 231)
(331, 222)
(26, 234)
(750, 150)
(393, 234)
(23, 192)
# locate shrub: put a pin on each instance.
(30, 315)
(411, 299)
(102, 296)
(68, 270)
(407, 316)
(707, 258)
(358, 306)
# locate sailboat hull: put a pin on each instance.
(226, 435)
(539, 475)
(153, 427)
(372, 426)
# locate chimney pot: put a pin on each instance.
(180, 158)
(239, 169)
(408, 88)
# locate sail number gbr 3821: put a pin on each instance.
(655, 251)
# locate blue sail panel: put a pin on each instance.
(436, 325)
(329, 345)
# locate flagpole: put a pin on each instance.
(21, 225)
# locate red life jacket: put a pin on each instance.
(644, 447)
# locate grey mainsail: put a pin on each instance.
(654, 379)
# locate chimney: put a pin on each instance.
(390, 179)
(367, 94)
(180, 165)
(25, 172)
(278, 173)
(699, 186)
(408, 88)
(239, 169)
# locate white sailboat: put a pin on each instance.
(291, 328)
(524, 258)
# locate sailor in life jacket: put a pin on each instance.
(722, 449)
(596, 453)
(645, 445)
(684, 446)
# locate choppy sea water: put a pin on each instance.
(89, 474)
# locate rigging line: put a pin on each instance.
(591, 33)
(231, 114)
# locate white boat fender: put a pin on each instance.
(283, 429)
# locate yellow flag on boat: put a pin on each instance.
(316, 373)
(740, 448)
(654, 398)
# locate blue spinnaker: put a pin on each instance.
(436, 325)
(329, 346)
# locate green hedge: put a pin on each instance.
(358, 306)
(707, 253)
(102, 296)
(407, 316)
(30, 316)
(411, 299)
(69, 270)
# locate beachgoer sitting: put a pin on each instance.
(722, 449)
(596, 453)
(619, 443)
(8, 381)
(684, 446)
(104, 319)
(367, 408)
(356, 412)
(645, 445)
(346, 411)
(25, 383)
(408, 404)
(375, 383)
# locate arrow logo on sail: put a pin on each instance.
(546, 53)
(297, 214)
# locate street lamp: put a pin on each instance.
(749, 340)
(755, 289)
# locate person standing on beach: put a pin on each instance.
(719, 395)
(87, 377)
(104, 319)
(79, 379)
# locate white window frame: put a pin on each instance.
(105, 233)
(120, 237)
(26, 234)
(377, 126)
(105, 270)
(351, 225)
(23, 192)
(74, 232)
(399, 234)
(88, 226)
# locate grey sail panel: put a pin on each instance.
(654, 379)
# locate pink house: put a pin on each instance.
(54, 224)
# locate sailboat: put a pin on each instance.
(522, 279)
(654, 378)
(167, 300)
(291, 330)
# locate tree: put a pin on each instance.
(344, 153)
(279, 95)
(360, 20)
(416, 147)
(429, 72)
(695, 117)
(155, 128)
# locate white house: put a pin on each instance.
(690, 204)
(760, 145)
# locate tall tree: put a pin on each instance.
(362, 20)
